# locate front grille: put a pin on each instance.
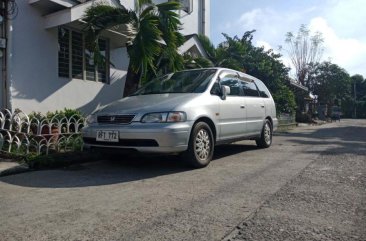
(123, 142)
(115, 119)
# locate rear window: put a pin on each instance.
(263, 91)
(249, 89)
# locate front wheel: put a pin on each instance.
(265, 140)
(200, 146)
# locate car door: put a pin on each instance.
(254, 107)
(232, 110)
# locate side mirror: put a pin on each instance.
(225, 90)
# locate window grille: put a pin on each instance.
(77, 55)
(63, 52)
(77, 62)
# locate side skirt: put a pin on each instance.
(231, 140)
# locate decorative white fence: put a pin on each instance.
(286, 120)
(21, 133)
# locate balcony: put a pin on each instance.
(51, 6)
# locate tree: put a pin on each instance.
(332, 84)
(191, 62)
(358, 96)
(240, 54)
(304, 50)
(147, 27)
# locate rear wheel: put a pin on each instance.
(265, 140)
(200, 146)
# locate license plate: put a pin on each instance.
(108, 136)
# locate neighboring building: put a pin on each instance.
(44, 62)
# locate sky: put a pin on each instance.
(341, 22)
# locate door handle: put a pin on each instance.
(262, 106)
(242, 106)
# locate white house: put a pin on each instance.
(45, 66)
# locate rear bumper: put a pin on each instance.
(275, 123)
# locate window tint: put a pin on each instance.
(249, 88)
(231, 80)
(264, 92)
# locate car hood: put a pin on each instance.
(147, 103)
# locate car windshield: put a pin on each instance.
(191, 81)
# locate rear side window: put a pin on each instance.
(264, 92)
(249, 88)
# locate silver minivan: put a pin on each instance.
(187, 112)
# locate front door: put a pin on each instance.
(232, 109)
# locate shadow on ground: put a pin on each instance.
(337, 139)
(115, 169)
(341, 139)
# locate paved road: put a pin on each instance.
(158, 198)
(326, 201)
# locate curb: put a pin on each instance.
(13, 169)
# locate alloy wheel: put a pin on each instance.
(202, 144)
(267, 134)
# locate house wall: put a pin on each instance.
(33, 64)
(197, 22)
(35, 85)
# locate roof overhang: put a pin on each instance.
(50, 6)
(297, 87)
(72, 17)
(66, 16)
(193, 46)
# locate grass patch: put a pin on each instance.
(56, 160)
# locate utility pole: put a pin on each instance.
(355, 99)
(3, 17)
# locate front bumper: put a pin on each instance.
(143, 137)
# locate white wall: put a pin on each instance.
(35, 82)
(192, 23)
(129, 4)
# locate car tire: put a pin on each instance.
(265, 140)
(200, 147)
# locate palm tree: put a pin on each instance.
(154, 37)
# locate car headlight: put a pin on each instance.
(90, 119)
(161, 117)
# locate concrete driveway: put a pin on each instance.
(159, 198)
